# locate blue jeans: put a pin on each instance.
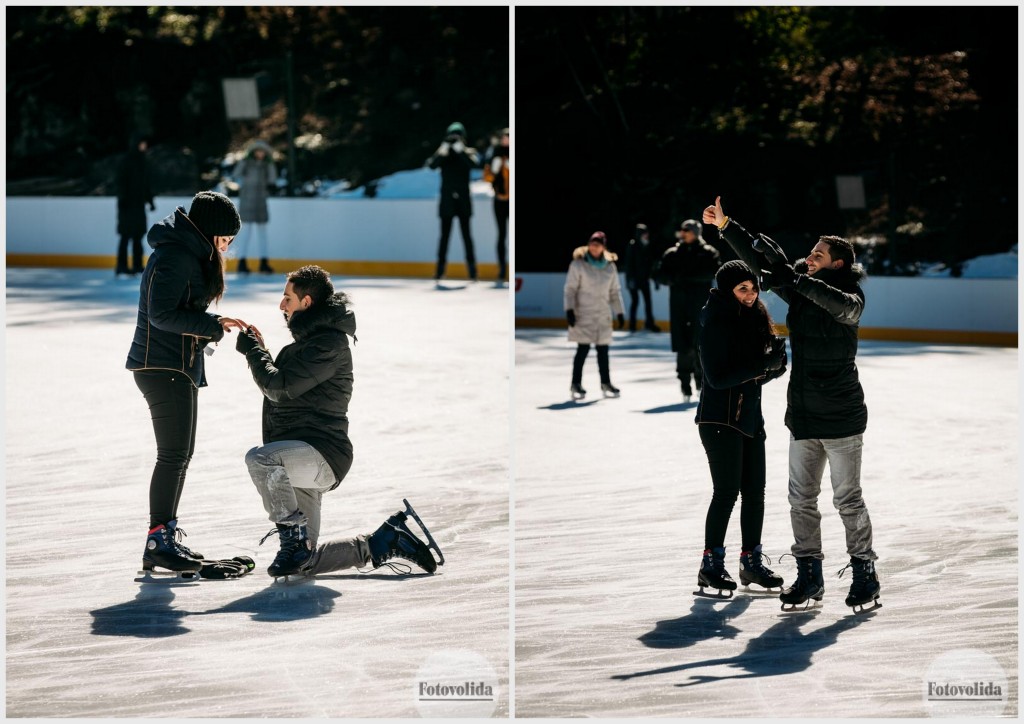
(807, 460)
(291, 476)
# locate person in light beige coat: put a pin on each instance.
(592, 291)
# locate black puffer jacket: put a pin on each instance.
(307, 388)
(733, 344)
(173, 325)
(825, 398)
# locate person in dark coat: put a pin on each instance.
(497, 167)
(639, 259)
(183, 277)
(688, 269)
(825, 410)
(455, 160)
(306, 450)
(739, 353)
(133, 193)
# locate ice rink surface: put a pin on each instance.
(429, 422)
(610, 501)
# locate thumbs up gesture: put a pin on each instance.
(714, 214)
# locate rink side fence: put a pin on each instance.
(356, 237)
(906, 309)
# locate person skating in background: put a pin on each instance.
(306, 449)
(496, 172)
(256, 175)
(134, 192)
(739, 353)
(825, 410)
(687, 269)
(183, 277)
(591, 291)
(455, 160)
(639, 260)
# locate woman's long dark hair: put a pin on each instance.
(213, 275)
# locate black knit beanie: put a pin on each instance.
(733, 273)
(214, 214)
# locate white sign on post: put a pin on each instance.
(241, 101)
(850, 190)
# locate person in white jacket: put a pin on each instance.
(592, 291)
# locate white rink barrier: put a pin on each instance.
(391, 237)
(911, 309)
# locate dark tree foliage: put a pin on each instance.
(374, 87)
(646, 113)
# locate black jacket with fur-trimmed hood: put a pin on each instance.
(825, 399)
(173, 326)
(307, 387)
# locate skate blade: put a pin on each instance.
(294, 579)
(723, 594)
(771, 591)
(167, 577)
(863, 608)
(809, 605)
(431, 543)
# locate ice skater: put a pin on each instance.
(306, 450)
(687, 268)
(256, 174)
(183, 277)
(455, 160)
(639, 260)
(739, 353)
(496, 172)
(591, 290)
(825, 414)
(134, 192)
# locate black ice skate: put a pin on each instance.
(609, 390)
(178, 535)
(752, 570)
(394, 540)
(712, 574)
(809, 584)
(865, 588)
(163, 552)
(577, 391)
(296, 548)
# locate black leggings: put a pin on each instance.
(501, 216)
(737, 466)
(602, 363)
(467, 242)
(122, 255)
(641, 288)
(173, 404)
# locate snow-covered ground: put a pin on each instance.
(610, 500)
(429, 421)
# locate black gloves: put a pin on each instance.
(621, 319)
(776, 359)
(570, 317)
(246, 342)
(783, 275)
(772, 251)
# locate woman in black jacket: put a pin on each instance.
(739, 353)
(184, 275)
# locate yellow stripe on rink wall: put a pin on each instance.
(410, 269)
(885, 334)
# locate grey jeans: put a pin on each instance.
(292, 476)
(807, 460)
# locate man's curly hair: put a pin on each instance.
(314, 281)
